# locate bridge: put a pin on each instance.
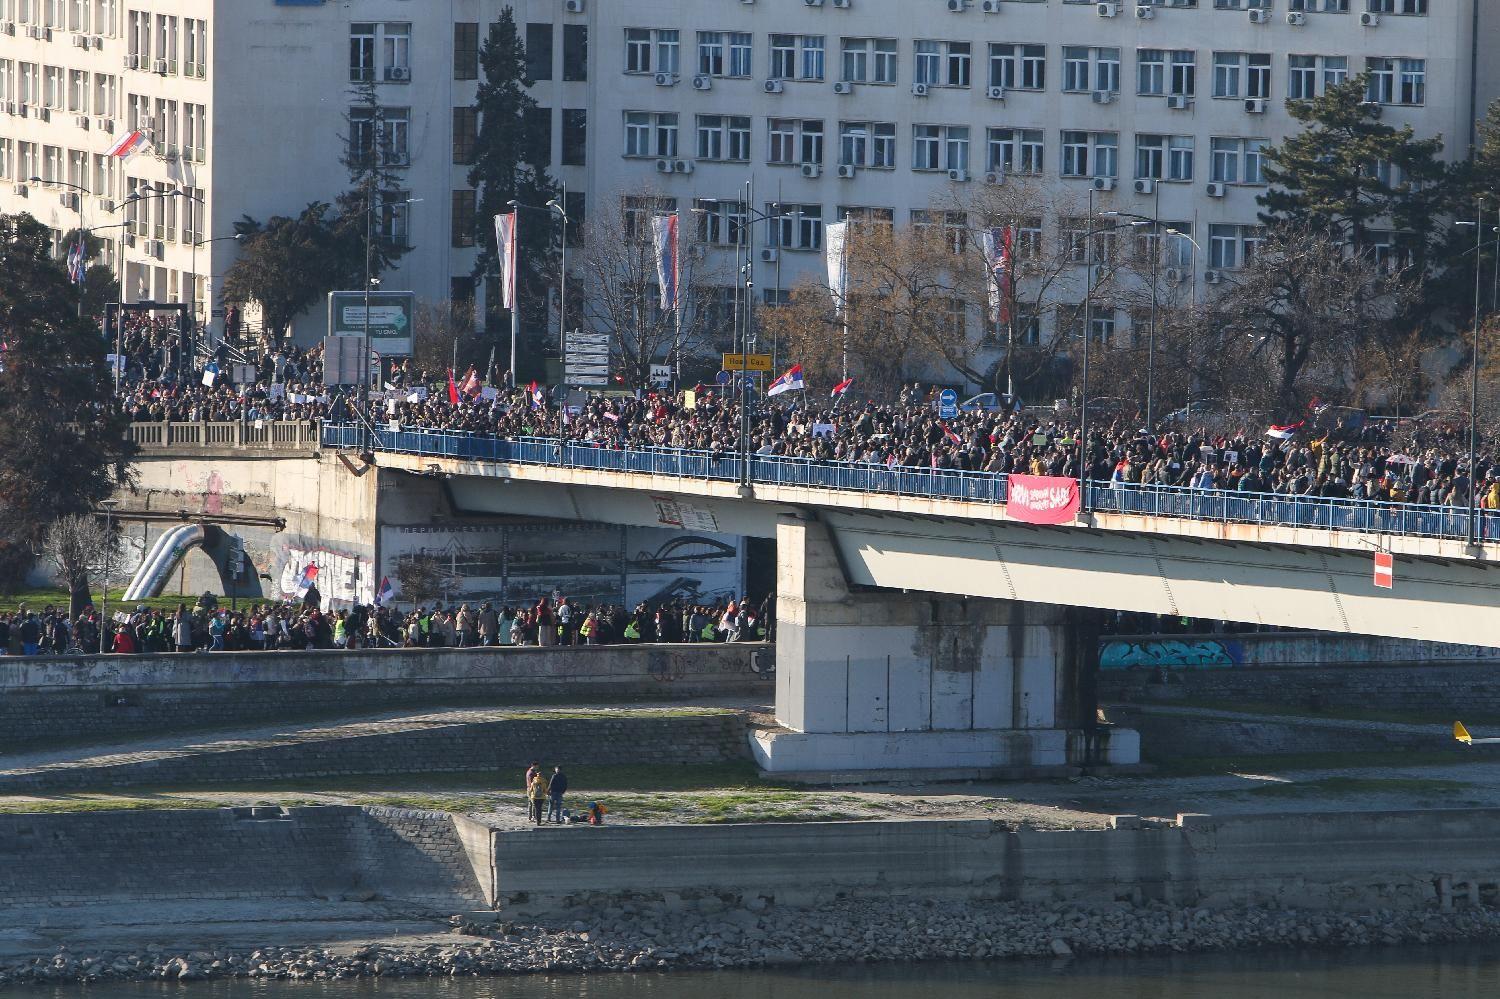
(920, 626)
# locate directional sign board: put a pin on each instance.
(586, 358)
(392, 314)
(747, 362)
(947, 404)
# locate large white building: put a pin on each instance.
(886, 106)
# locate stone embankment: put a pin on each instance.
(717, 934)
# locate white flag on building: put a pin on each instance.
(835, 243)
(505, 253)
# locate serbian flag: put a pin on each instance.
(953, 438)
(789, 382)
(841, 388)
(306, 580)
(452, 389)
(664, 231)
(997, 248)
(538, 396)
(471, 384)
(128, 145)
(505, 253)
(1285, 433)
(387, 591)
(77, 261)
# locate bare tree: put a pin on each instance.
(422, 577)
(445, 334)
(81, 550)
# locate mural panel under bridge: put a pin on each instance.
(520, 563)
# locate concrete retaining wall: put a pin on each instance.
(327, 854)
(1336, 860)
(1277, 650)
(1172, 733)
(503, 748)
(91, 697)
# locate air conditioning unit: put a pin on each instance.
(682, 166)
(68, 200)
(1173, 275)
(1145, 185)
(1370, 19)
(44, 114)
(666, 79)
(847, 171)
(1255, 105)
(80, 41)
(775, 86)
(21, 191)
(7, 28)
(995, 93)
(843, 87)
(132, 62)
(98, 41)
(20, 110)
(1179, 102)
(1145, 12)
(1103, 96)
(958, 176)
(82, 121)
(574, 6)
(1373, 107)
(991, 6)
(813, 3)
(1107, 9)
(957, 6)
(663, 166)
(159, 67)
(397, 74)
(1296, 18)
(812, 170)
(1260, 17)
(1104, 183)
(919, 89)
(768, 256)
(1212, 277)
(107, 125)
(1215, 189)
(703, 82)
(155, 248)
(106, 204)
(995, 177)
(841, 4)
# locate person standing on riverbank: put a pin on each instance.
(538, 797)
(556, 788)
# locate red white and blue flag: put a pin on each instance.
(128, 145)
(1285, 433)
(789, 382)
(841, 388)
(77, 261)
(998, 246)
(664, 230)
(306, 580)
(387, 591)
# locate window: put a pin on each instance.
(940, 147)
(1073, 231)
(466, 50)
(797, 57)
(636, 213)
(1237, 161)
(1150, 156)
(637, 133)
(78, 92)
(195, 47)
(393, 222)
(724, 137)
(1151, 72)
(951, 226)
(575, 53)
(1233, 246)
(396, 50)
(740, 48)
(1411, 81)
(637, 50)
(1416, 8)
(1242, 74)
(1169, 246)
(465, 134)
(867, 144)
(1018, 67)
(869, 60)
(575, 204)
(361, 52)
(395, 137)
(1320, 6)
(1086, 69)
(464, 209)
(1183, 81)
(575, 130)
(721, 223)
(664, 134)
(538, 51)
(868, 218)
(1014, 150)
(651, 50)
(7, 152)
(711, 53)
(195, 132)
(794, 141)
(1179, 158)
(1090, 154)
(796, 227)
(1310, 76)
(944, 64)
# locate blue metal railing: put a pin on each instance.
(1221, 506)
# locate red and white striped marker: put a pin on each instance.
(1385, 570)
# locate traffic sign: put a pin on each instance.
(747, 362)
(1385, 570)
(947, 404)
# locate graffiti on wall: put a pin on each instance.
(1164, 652)
(337, 579)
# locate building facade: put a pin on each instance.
(829, 108)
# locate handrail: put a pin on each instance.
(267, 435)
(1183, 502)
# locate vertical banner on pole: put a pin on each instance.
(505, 252)
(835, 240)
(664, 231)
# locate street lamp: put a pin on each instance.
(1141, 221)
(562, 282)
(1478, 225)
(109, 513)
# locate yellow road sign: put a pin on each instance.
(747, 362)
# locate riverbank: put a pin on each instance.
(633, 937)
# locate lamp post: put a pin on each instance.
(562, 279)
(1154, 222)
(1478, 225)
(135, 198)
(109, 513)
(81, 192)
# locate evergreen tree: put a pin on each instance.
(509, 166)
(62, 441)
(369, 208)
(1348, 174)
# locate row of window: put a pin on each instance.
(157, 42)
(59, 88)
(1159, 72)
(381, 51)
(176, 130)
(94, 172)
(872, 145)
(91, 17)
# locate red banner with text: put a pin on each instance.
(1042, 499)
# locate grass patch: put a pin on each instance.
(777, 816)
(88, 803)
(1361, 785)
(1207, 766)
(37, 600)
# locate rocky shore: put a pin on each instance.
(710, 934)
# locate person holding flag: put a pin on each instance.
(386, 592)
(791, 381)
(837, 395)
(452, 389)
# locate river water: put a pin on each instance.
(1409, 973)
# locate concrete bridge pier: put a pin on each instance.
(881, 680)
